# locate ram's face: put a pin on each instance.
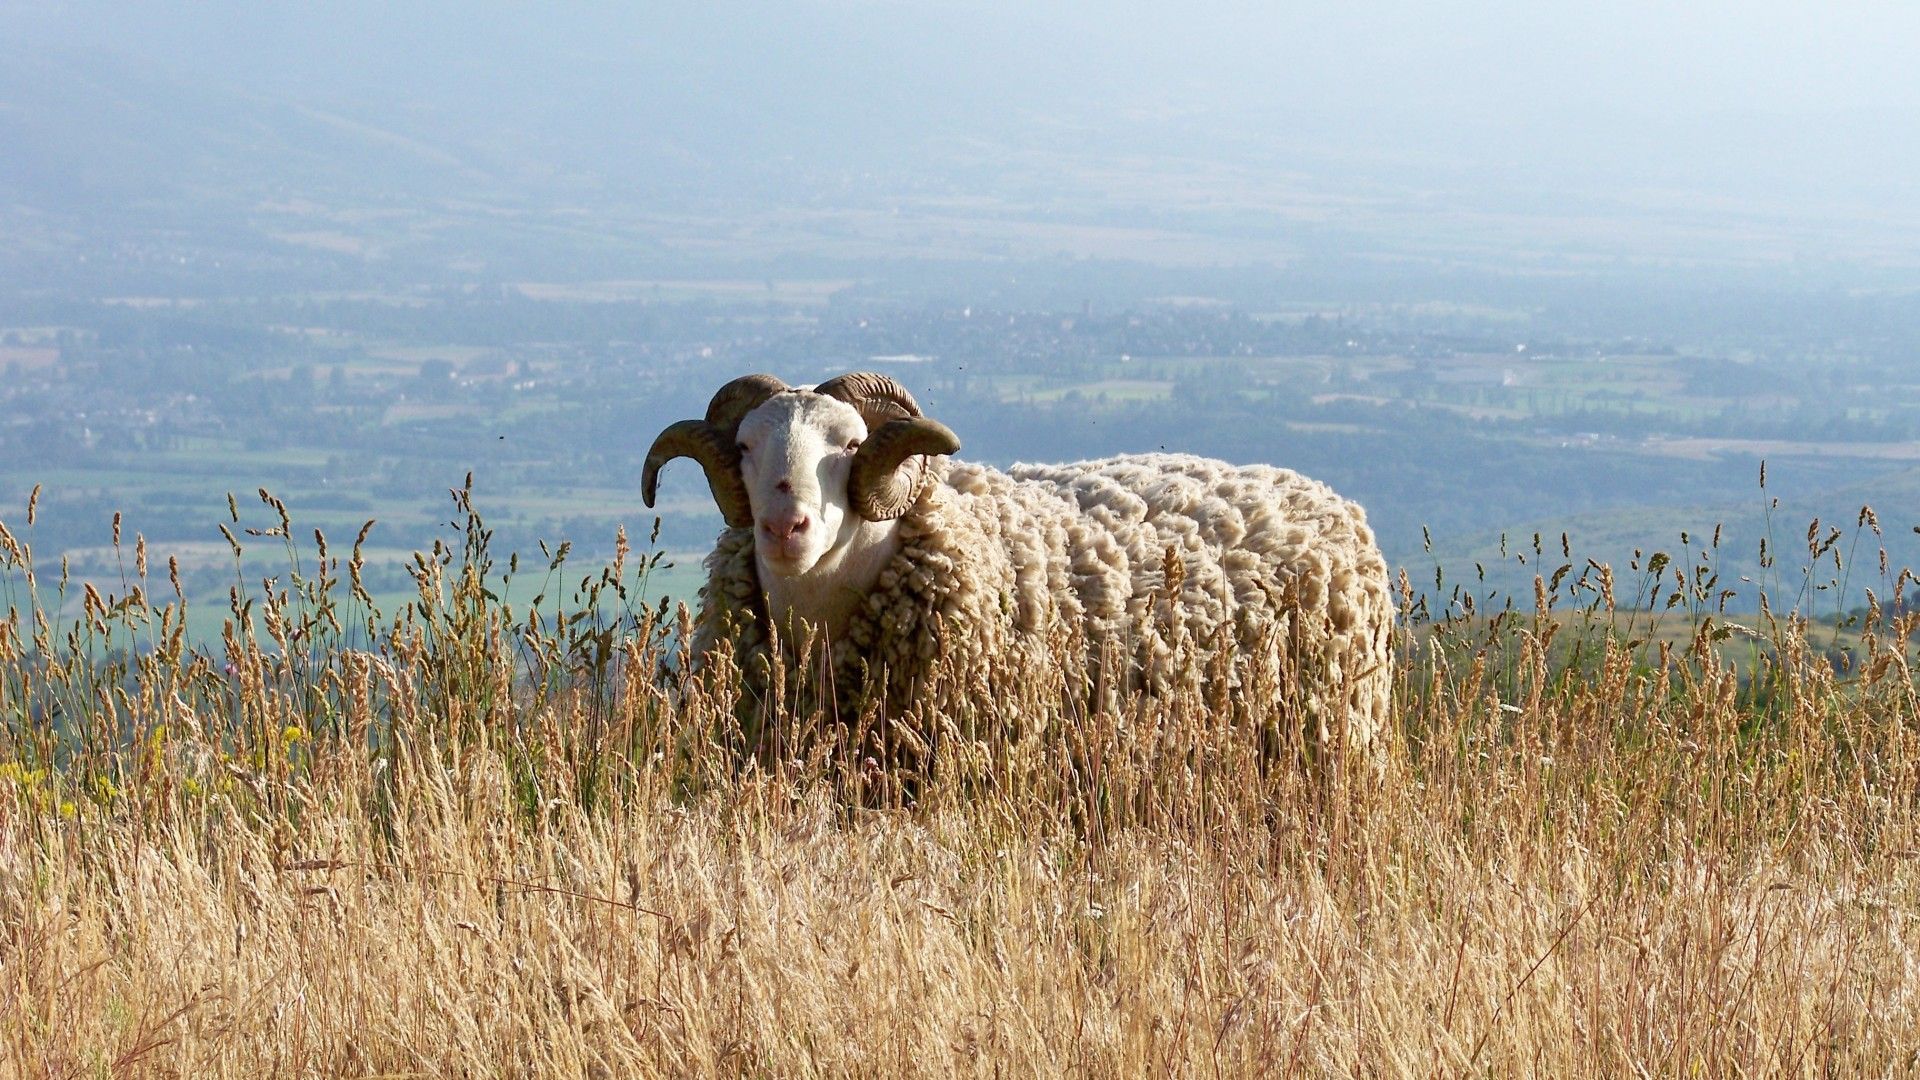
(796, 452)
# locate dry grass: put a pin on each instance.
(465, 841)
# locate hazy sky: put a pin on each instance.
(1703, 55)
(1779, 107)
(1495, 58)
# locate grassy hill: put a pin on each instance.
(464, 840)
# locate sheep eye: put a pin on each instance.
(740, 446)
(852, 445)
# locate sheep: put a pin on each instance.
(847, 520)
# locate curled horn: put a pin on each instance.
(711, 442)
(877, 397)
(879, 488)
(732, 402)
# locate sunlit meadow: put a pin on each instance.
(1620, 831)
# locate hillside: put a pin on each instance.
(473, 839)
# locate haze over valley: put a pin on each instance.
(1585, 286)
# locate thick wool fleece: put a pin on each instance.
(1150, 562)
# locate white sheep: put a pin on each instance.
(845, 520)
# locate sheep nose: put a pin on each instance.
(785, 527)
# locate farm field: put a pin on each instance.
(372, 407)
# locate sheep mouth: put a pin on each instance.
(787, 558)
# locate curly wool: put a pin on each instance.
(1157, 558)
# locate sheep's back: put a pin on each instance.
(1166, 556)
(1281, 561)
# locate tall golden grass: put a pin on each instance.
(465, 840)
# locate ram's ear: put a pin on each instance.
(883, 481)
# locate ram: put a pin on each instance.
(848, 525)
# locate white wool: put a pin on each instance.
(992, 565)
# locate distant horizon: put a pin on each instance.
(1713, 137)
